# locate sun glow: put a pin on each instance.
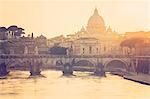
(51, 18)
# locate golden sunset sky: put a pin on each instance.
(55, 17)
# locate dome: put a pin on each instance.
(96, 23)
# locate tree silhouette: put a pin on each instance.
(56, 50)
(16, 30)
(132, 42)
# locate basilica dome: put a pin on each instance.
(96, 23)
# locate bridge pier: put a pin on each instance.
(3, 70)
(35, 69)
(67, 69)
(99, 70)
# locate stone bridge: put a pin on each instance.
(109, 62)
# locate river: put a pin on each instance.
(80, 86)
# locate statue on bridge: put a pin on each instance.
(36, 50)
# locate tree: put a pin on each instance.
(132, 42)
(140, 45)
(16, 30)
(3, 33)
(56, 50)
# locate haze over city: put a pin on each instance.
(74, 49)
(52, 18)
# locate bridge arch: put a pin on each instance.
(84, 63)
(15, 63)
(116, 64)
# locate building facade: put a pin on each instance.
(42, 44)
(95, 37)
(86, 46)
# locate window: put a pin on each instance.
(83, 50)
(90, 49)
(104, 48)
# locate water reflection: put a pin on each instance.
(80, 86)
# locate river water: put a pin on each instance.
(80, 86)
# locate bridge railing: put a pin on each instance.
(102, 56)
(146, 57)
(62, 56)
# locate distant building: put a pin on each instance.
(56, 41)
(141, 43)
(143, 48)
(29, 45)
(108, 40)
(42, 44)
(8, 38)
(19, 45)
(96, 24)
(12, 42)
(16, 46)
(86, 46)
